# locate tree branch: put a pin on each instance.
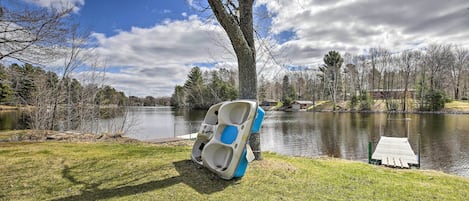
(231, 27)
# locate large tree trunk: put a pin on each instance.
(247, 55)
(241, 34)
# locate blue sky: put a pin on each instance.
(149, 46)
(110, 16)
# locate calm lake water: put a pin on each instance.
(444, 137)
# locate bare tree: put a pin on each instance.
(362, 66)
(408, 62)
(378, 59)
(41, 115)
(236, 18)
(88, 114)
(75, 53)
(386, 81)
(373, 57)
(438, 59)
(460, 64)
(27, 33)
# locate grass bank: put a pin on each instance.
(380, 106)
(139, 171)
(6, 107)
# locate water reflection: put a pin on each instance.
(13, 120)
(164, 122)
(444, 138)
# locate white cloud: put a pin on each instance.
(355, 25)
(159, 57)
(59, 4)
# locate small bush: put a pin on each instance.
(392, 105)
(365, 101)
(435, 100)
(353, 102)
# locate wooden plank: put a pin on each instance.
(385, 161)
(405, 164)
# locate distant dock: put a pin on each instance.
(394, 152)
(174, 139)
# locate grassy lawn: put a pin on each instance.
(462, 106)
(139, 171)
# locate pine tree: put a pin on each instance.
(331, 74)
(194, 89)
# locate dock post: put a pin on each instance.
(370, 149)
(419, 149)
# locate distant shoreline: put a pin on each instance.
(378, 106)
(392, 112)
(315, 109)
(6, 108)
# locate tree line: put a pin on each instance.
(19, 84)
(203, 89)
(411, 80)
(149, 101)
(54, 100)
(425, 78)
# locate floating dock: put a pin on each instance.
(394, 152)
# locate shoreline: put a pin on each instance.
(389, 112)
(454, 107)
(34, 136)
(9, 108)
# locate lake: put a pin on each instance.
(444, 137)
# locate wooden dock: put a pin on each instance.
(174, 139)
(395, 152)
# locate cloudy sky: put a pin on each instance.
(149, 46)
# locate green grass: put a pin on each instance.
(317, 103)
(112, 171)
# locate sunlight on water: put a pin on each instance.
(444, 138)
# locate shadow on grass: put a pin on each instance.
(198, 178)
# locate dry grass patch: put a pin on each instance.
(462, 106)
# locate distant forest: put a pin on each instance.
(55, 103)
(21, 84)
(426, 79)
(71, 94)
(203, 89)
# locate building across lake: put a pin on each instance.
(298, 105)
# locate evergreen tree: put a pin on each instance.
(194, 89)
(331, 74)
(23, 81)
(220, 90)
(288, 92)
(178, 97)
(6, 92)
